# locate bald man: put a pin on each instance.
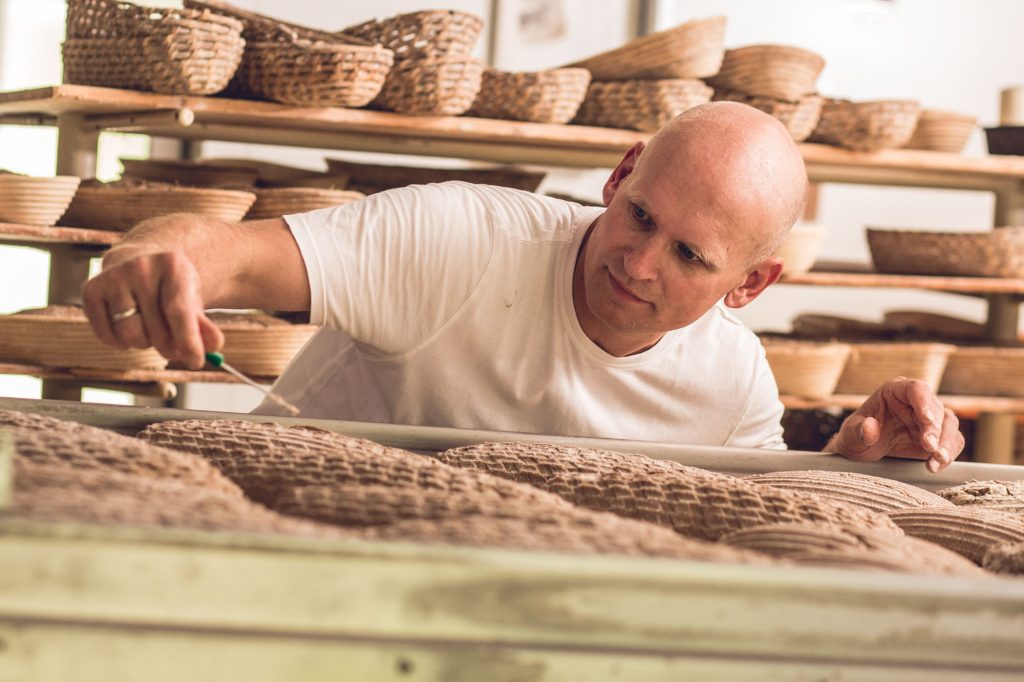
(483, 307)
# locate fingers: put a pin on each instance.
(951, 443)
(860, 439)
(929, 414)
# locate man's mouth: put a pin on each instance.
(622, 291)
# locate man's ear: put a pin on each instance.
(762, 276)
(621, 172)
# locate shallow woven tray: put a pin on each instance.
(166, 50)
(60, 336)
(985, 371)
(281, 201)
(540, 96)
(942, 131)
(872, 364)
(782, 72)
(1005, 140)
(443, 86)
(819, 326)
(424, 34)
(926, 325)
(801, 248)
(120, 208)
(806, 368)
(640, 104)
(371, 178)
(799, 117)
(866, 126)
(990, 253)
(691, 50)
(258, 344)
(190, 173)
(307, 73)
(35, 201)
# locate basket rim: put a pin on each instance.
(234, 194)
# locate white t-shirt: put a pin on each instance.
(451, 305)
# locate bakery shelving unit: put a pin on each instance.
(81, 113)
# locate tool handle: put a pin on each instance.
(214, 358)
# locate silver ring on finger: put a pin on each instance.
(124, 314)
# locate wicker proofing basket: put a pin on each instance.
(780, 71)
(817, 326)
(60, 336)
(281, 201)
(306, 73)
(919, 324)
(640, 104)
(872, 364)
(867, 126)
(942, 131)
(688, 51)
(423, 35)
(444, 86)
(801, 248)
(371, 178)
(190, 173)
(992, 253)
(35, 201)
(539, 96)
(806, 368)
(120, 208)
(985, 371)
(800, 117)
(172, 51)
(260, 345)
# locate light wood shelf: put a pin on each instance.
(861, 276)
(12, 233)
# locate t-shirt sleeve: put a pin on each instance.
(760, 425)
(391, 269)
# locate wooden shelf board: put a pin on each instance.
(177, 376)
(503, 141)
(13, 233)
(957, 403)
(857, 275)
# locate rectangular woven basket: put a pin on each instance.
(867, 126)
(552, 96)
(872, 364)
(992, 253)
(640, 104)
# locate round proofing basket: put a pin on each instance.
(319, 74)
(942, 131)
(640, 104)
(688, 51)
(801, 248)
(423, 35)
(444, 86)
(985, 371)
(800, 117)
(260, 345)
(867, 126)
(872, 364)
(117, 208)
(189, 173)
(779, 71)
(35, 201)
(539, 96)
(993, 253)
(281, 201)
(62, 337)
(806, 368)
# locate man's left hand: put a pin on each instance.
(903, 418)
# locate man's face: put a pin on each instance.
(664, 252)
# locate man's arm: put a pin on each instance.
(171, 268)
(903, 418)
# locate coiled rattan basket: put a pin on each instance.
(806, 368)
(444, 86)
(866, 126)
(640, 104)
(990, 253)
(275, 202)
(942, 131)
(35, 201)
(541, 96)
(872, 364)
(799, 117)
(779, 71)
(423, 35)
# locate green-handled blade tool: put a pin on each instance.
(217, 360)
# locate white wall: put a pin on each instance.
(953, 54)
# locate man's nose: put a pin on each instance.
(640, 260)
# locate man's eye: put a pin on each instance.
(687, 254)
(640, 214)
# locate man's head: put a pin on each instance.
(693, 216)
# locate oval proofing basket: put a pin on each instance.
(120, 208)
(35, 201)
(872, 364)
(260, 345)
(806, 368)
(992, 253)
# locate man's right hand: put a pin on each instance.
(164, 290)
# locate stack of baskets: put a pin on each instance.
(867, 126)
(648, 81)
(35, 201)
(173, 51)
(778, 79)
(434, 72)
(296, 65)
